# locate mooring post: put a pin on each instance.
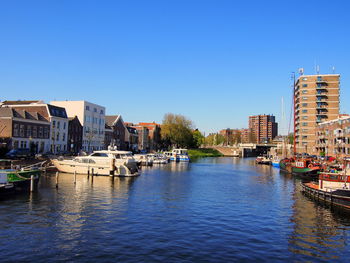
(75, 177)
(56, 179)
(32, 183)
(92, 174)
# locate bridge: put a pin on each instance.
(244, 149)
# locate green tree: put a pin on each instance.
(198, 138)
(177, 130)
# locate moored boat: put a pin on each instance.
(263, 160)
(107, 162)
(276, 161)
(300, 167)
(332, 187)
(17, 179)
(179, 155)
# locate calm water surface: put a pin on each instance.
(211, 210)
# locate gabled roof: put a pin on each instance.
(21, 102)
(21, 114)
(111, 120)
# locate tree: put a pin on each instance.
(198, 138)
(177, 130)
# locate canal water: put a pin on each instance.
(211, 210)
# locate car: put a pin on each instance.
(19, 153)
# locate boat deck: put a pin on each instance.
(313, 186)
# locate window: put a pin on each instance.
(319, 78)
(21, 130)
(40, 134)
(63, 137)
(304, 130)
(35, 134)
(64, 126)
(101, 111)
(304, 85)
(46, 132)
(304, 104)
(58, 124)
(304, 124)
(304, 111)
(304, 137)
(87, 108)
(53, 124)
(16, 130)
(304, 79)
(304, 91)
(58, 136)
(29, 131)
(304, 98)
(95, 110)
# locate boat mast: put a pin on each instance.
(294, 117)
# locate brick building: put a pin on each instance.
(263, 128)
(333, 137)
(316, 101)
(115, 124)
(24, 129)
(75, 135)
(232, 136)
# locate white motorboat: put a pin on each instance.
(159, 158)
(180, 155)
(143, 159)
(108, 162)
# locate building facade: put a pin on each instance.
(333, 137)
(115, 124)
(23, 129)
(57, 117)
(131, 139)
(75, 135)
(232, 136)
(263, 128)
(154, 137)
(316, 100)
(92, 118)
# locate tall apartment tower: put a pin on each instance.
(263, 128)
(316, 99)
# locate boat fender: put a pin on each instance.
(310, 166)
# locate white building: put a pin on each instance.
(92, 118)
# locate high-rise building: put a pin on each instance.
(316, 99)
(263, 128)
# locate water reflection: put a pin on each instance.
(317, 232)
(210, 210)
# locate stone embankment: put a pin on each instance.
(227, 150)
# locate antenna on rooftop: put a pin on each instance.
(333, 69)
(301, 71)
(318, 69)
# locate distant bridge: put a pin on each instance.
(244, 149)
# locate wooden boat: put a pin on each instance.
(19, 178)
(300, 167)
(332, 187)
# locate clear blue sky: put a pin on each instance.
(216, 62)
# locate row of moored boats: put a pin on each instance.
(327, 180)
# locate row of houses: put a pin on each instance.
(71, 126)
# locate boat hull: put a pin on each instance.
(21, 180)
(337, 198)
(97, 169)
(302, 172)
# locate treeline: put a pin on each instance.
(179, 132)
